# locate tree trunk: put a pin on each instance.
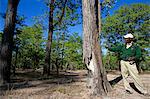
(7, 41)
(16, 59)
(97, 81)
(62, 52)
(57, 67)
(46, 68)
(58, 51)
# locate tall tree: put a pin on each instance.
(20, 20)
(61, 14)
(91, 49)
(7, 41)
(49, 42)
(19, 25)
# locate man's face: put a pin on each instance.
(128, 40)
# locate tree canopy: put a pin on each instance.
(132, 18)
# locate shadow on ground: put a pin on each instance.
(26, 79)
(116, 80)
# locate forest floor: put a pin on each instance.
(69, 85)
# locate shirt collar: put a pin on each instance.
(129, 45)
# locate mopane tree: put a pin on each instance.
(97, 81)
(7, 41)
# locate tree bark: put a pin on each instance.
(58, 51)
(46, 68)
(62, 54)
(16, 59)
(97, 80)
(7, 41)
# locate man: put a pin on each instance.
(129, 54)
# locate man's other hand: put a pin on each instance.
(131, 59)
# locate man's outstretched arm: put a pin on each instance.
(114, 49)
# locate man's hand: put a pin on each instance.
(131, 59)
(107, 46)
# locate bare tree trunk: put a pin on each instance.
(97, 81)
(46, 68)
(7, 41)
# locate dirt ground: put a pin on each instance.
(69, 85)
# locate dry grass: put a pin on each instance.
(69, 87)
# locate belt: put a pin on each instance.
(131, 62)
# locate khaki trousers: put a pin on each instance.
(131, 69)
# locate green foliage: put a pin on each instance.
(129, 18)
(65, 14)
(110, 61)
(1, 33)
(67, 51)
(73, 51)
(145, 63)
(31, 46)
(106, 5)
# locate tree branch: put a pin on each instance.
(63, 12)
